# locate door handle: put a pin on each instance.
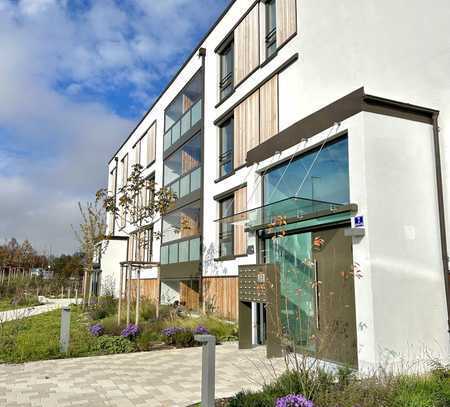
(317, 305)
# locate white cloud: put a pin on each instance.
(54, 141)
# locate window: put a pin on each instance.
(182, 223)
(226, 70)
(188, 97)
(226, 148)
(271, 27)
(137, 152)
(124, 165)
(225, 229)
(182, 173)
(140, 246)
(327, 180)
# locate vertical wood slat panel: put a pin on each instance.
(221, 296)
(189, 294)
(246, 128)
(286, 20)
(246, 46)
(149, 289)
(269, 109)
(240, 236)
(151, 144)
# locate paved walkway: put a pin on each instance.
(50, 305)
(167, 378)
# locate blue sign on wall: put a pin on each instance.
(359, 221)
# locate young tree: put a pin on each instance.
(139, 203)
(91, 232)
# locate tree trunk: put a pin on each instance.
(85, 288)
(138, 295)
(119, 309)
(128, 294)
(90, 288)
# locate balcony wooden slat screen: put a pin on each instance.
(269, 109)
(151, 144)
(246, 128)
(246, 46)
(286, 20)
(240, 236)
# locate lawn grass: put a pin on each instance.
(6, 305)
(37, 338)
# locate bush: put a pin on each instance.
(184, 339)
(130, 332)
(109, 345)
(105, 307)
(147, 339)
(110, 326)
(222, 330)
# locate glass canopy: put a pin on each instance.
(286, 211)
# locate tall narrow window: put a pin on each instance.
(226, 148)
(226, 70)
(271, 27)
(226, 229)
(124, 168)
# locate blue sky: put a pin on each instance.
(75, 77)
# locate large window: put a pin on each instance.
(226, 229)
(140, 246)
(184, 112)
(124, 169)
(226, 70)
(271, 27)
(317, 175)
(182, 173)
(182, 223)
(226, 148)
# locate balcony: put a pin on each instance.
(183, 125)
(187, 183)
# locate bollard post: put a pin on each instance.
(208, 369)
(64, 337)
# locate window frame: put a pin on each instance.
(230, 238)
(226, 157)
(226, 82)
(270, 37)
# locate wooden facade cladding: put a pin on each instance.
(246, 128)
(220, 296)
(268, 109)
(286, 20)
(149, 289)
(255, 120)
(151, 144)
(189, 294)
(246, 46)
(240, 236)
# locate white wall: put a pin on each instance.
(113, 252)
(400, 299)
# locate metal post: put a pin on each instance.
(76, 296)
(208, 369)
(64, 337)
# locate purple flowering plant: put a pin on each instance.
(294, 400)
(171, 331)
(96, 330)
(201, 330)
(130, 332)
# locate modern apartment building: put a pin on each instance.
(305, 135)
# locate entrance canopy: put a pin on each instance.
(286, 211)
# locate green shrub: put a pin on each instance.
(250, 399)
(184, 339)
(105, 307)
(147, 339)
(222, 330)
(109, 345)
(110, 326)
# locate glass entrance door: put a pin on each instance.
(317, 303)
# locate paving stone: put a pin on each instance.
(166, 378)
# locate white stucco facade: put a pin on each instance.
(395, 50)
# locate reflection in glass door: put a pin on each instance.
(317, 304)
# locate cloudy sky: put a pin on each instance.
(75, 77)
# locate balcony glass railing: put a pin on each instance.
(181, 252)
(183, 125)
(187, 183)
